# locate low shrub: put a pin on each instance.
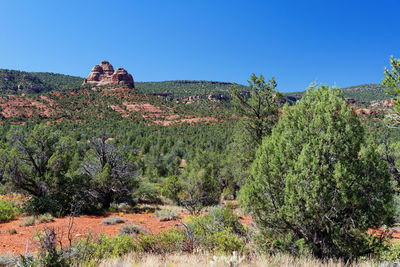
(45, 218)
(112, 220)
(12, 231)
(216, 220)
(7, 211)
(131, 228)
(165, 242)
(89, 251)
(224, 241)
(28, 221)
(391, 254)
(166, 215)
(218, 231)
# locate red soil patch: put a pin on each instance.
(392, 233)
(186, 120)
(83, 225)
(15, 106)
(120, 110)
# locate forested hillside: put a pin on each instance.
(185, 88)
(12, 81)
(16, 82)
(364, 93)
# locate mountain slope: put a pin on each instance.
(12, 81)
(184, 88)
(363, 93)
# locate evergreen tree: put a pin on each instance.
(259, 112)
(38, 164)
(197, 186)
(392, 82)
(315, 185)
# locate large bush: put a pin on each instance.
(316, 186)
(38, 164)
(218, 231)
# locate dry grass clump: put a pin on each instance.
(112, 220)
(166, 215)
(193, 260)
(28, 221)
(131, 228)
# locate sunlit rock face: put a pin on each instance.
(104, 74)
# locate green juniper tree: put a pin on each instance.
(315, 184)
(38, 163)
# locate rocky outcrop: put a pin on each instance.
(217, 97)
(104, 74)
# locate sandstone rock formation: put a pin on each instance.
(104, 74)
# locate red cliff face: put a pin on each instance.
(104, 74)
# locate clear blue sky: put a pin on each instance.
(298, 42)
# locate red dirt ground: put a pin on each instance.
(17, 243)
(25, 236)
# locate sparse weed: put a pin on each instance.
(112, 220)
(8, 260)
(28, 221)
(131, 228)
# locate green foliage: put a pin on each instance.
(172, 188)
(366, 92)
(363, 93)
(391, 254)
(12, 81)
(223, 242)
(218, 231)
(38, 164)
(169, 241)
(147, 192)
(187, 88)
(197, 186)
(7, 211)
(260, 110)
(111, 171)
(45, 218)
(90, 251)
(38, 205)
(392, 82)
(259, 113)
(315, 185)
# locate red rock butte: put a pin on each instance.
(104, 74)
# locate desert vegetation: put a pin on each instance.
(308, 182)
